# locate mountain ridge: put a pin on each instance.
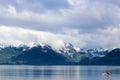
(44, 54)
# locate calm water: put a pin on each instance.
(58, 72)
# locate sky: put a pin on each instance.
(84, 23)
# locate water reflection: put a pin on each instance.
(58, 72)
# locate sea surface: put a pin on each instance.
(23, 72)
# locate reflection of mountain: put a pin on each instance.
(68, 54)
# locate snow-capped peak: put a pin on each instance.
(68, 48)
(96, 52)
(77, 49)
(68, 45)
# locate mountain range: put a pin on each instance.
(44, 54)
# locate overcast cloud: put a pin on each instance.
(84, 23)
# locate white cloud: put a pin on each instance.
(16, 36)
(77, 2)
(105, 38)
(83, 15)
(85, 23)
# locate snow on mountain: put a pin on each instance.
(68, 49)
(96, 52)
(2, 45)
(77, 49)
